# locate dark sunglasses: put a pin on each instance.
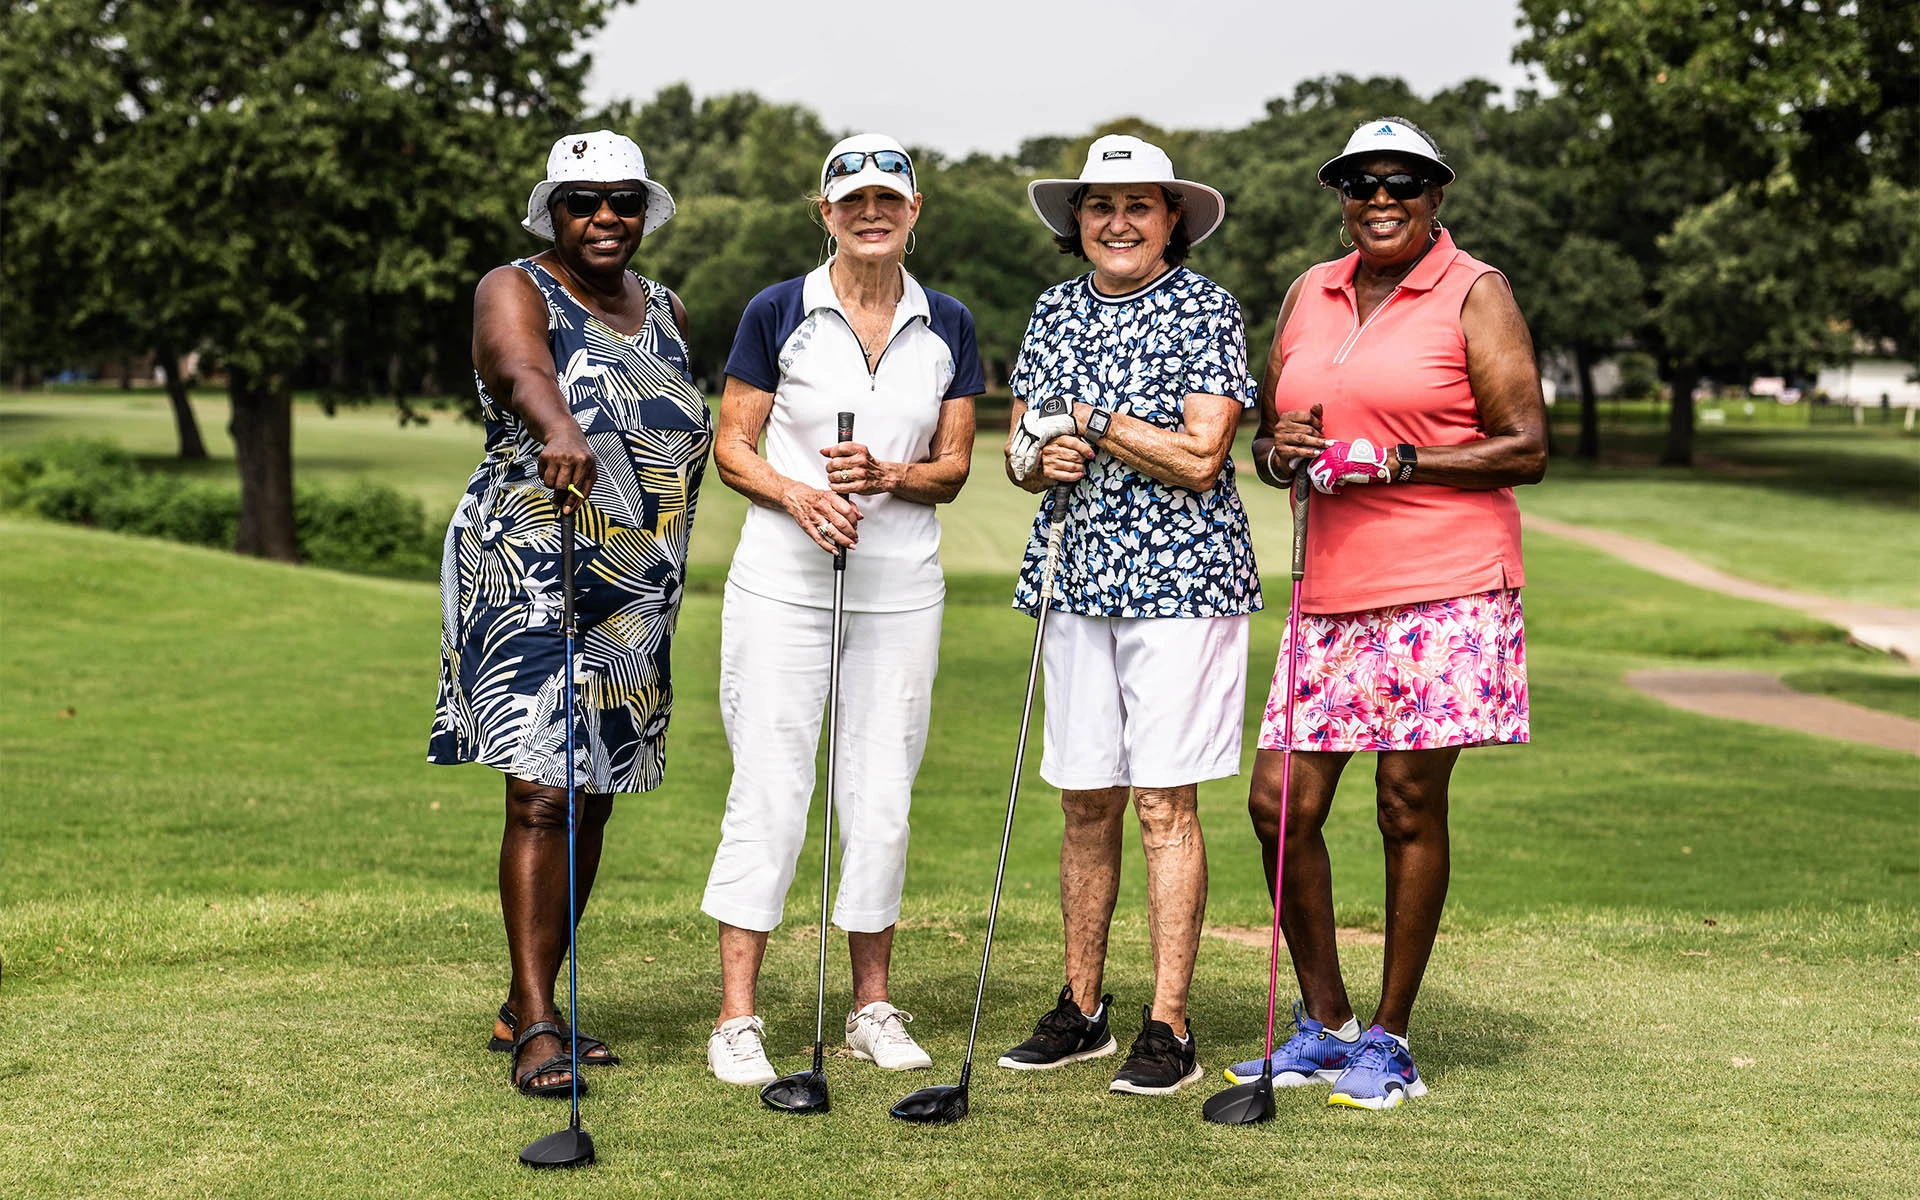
(1363, 187)
(854, 161)
(584, 202)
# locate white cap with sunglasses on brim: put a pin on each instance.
(602, 156)
(1118, 158)
(1390, 138)
(871, 159)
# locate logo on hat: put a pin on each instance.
(1386, 130)
(580, 148)
(1110, 155)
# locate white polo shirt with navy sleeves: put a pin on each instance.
(795, 341)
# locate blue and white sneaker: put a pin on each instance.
(1311, 1055)
(1380, 1075)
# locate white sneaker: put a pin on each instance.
(734, 1053)
(878, 1033)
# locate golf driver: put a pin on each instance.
(1252, 1103)
(572, 1146)
(806, 1091)
(944, 1103)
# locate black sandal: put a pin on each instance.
(559, 1062)
(593, 1051)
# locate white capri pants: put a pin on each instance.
(1153, 702)
(773, 696)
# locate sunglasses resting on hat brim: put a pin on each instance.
(854, 161)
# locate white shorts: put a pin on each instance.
(1151, 702)
(773, 696)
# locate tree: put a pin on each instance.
(1686, 102)
(319, 182)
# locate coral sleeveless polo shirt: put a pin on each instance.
(1399, 376)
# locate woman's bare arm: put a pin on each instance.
(511, 355)
(1283, 437)
(736, 452)
(936, 480)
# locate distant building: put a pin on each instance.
(1865, 381)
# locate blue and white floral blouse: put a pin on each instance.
(1133, 546)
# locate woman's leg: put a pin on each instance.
(1412, 804)
(887, 669)
(1306, 918)
(533, 898)
(773, 691)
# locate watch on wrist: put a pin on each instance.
(1097, 422)
(1409, 457)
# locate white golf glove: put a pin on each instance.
(1037, 427)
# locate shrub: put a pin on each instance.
(1639, 375)
(367, 527)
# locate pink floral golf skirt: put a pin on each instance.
(1407, 677)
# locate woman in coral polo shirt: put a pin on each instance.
(1403, 380)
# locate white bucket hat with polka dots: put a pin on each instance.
(602, 156)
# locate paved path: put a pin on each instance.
(1762, 699)
(1754, 695)
(1891, 630)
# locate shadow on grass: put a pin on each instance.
(1876, 466)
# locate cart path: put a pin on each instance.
(1761, 698)
(1885, 628)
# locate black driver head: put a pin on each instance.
(941, 1104)
(1242, 1104)
(568, 1148)
(801, 1092)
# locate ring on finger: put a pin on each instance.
(825, 528)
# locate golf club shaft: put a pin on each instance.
(844, 427)
(573, 917)
(1301, 490)
(1054, 531)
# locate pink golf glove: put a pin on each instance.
(1358, 461)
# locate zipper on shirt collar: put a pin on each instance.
(873, 372)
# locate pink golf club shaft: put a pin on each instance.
(1300, 492)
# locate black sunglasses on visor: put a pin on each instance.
(854, 161)
(584, 202)
(1399, 186)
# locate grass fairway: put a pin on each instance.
(252, 943)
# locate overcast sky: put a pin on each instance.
(983, 74)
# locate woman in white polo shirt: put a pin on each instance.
(858, 334)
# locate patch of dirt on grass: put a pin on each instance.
(1260, 937)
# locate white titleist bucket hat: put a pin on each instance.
(602, 156)
(1118, 158)
(1376, 138)
(864, 160)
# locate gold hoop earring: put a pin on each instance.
(1344, 239)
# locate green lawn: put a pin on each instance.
(252, 944)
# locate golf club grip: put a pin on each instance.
(844, 422)
(1302, 489)
(566, 570)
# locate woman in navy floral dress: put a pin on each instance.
(583, 378)
(1146, 653)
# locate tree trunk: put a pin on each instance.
(262, 429)
(192, 449)
(1679, 451)
(126, 373)
(1589, 445)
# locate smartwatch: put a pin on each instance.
(1409, 457)
(1097, 422)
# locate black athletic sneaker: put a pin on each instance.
(1063, 1036)
(1158, 1064)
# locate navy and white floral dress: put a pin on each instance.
(502, 661)
(1133, 546)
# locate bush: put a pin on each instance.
(1639, 375)
(366, 528)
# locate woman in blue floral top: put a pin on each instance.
(1146, 652)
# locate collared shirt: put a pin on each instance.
(1136, 547)
(796, 342)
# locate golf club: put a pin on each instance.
(1252, 1103)
(806, 1091)
(944, 1103)
(572, 1146)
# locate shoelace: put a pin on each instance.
(892, 1028)
(1066, 1017)
(1374, 1054)
(1154, 1045)
(731, 1039)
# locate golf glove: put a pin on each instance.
(1038, 426)
(1341, 463)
